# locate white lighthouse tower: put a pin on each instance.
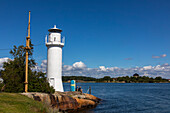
(54, 58)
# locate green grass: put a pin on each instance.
(16, 103)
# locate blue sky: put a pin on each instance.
(98, 32)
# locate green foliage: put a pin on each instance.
(38, 83)
(136, 75)
(104, 79)
(1, 85)
(83, 78)
(126, 79)
(107, 78)
(66, 78)
(141, 79)
(14, 73)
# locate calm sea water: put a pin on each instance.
(129, 97)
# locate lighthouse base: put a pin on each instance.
(56, 84)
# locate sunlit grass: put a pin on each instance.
(16, 103)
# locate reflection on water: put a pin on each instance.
(129, 97)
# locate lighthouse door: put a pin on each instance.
(52, 82)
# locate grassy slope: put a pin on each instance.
(16, 103)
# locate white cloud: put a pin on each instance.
(164, 55)
(2, 60)
(79, 65)
(43, 66)
(152, 71)
(68, 67)
(147, 67)
(80, 69)
(102, 68)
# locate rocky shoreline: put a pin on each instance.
(65, 101)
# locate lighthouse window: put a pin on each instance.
(54, 38)
(52, 82)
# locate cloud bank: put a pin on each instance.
(80, 69)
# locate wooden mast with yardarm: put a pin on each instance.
(26, 60)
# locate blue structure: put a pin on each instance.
(73, 85)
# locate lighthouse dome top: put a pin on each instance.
(55, 29)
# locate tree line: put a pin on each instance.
(125, 79)
(142, 79)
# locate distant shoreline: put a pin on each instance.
(113, 82)
(107, 79)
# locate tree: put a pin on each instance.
(14, 73)
(136, 75)
(158, 78)
(106, 78)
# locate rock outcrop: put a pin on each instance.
(65, 101)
